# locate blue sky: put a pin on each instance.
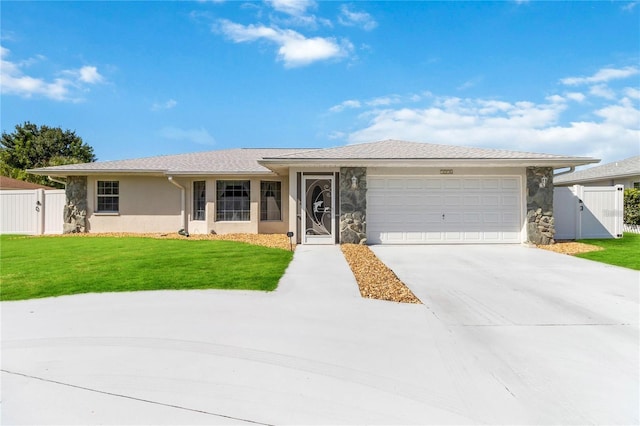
(139, 79)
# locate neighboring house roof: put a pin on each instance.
(617, 169)
(264, 160)
(10, 183)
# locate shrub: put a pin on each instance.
(632, 206)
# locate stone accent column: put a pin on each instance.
(353, 205)
(540, 223)
(75, 210)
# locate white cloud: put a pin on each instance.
(292, 7)
(352, 18)
(630, 6)
(158, 106)
(623, 114)
(632, 92)
(13, 80)
(89, 74)
(602, 91)
(344, 105)
(613, 132)
(602, 76)
(294, 49)
(198, 136)
(384, 100)
(575, 96)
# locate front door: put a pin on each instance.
(318, 222)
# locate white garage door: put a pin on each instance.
(426, 210)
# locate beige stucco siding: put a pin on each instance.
(153, 204)
(147, 204)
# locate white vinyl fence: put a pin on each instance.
(32, 212)
(588, 212)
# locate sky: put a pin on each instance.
(137, 79)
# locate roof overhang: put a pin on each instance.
(149, 173)
(281, 166)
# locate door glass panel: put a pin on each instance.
(318, 207)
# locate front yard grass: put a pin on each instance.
(34, 267)
(623, 252)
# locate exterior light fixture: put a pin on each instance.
(543, 182)
(354, 182)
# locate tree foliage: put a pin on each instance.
(632, 206)
(31, 146)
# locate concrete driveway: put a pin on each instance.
(559, 334)
(557, 342)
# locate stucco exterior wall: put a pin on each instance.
(147, 204)
(153, 204)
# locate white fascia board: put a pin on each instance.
(488, 162)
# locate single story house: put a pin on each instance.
(624, 172)
(388, 192)
(7, 183)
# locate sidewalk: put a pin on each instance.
(319, 274)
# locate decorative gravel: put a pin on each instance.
(570, 247)
(280, 241)
(375, 279)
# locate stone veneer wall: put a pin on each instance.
(540, 223)
(75, 210)
(353, 205)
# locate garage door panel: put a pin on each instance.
(511, 183)
(409, 210)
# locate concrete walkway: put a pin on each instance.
(312, 352)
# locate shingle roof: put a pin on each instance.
(10, 183)
(253, 160)
(229, 161)
(402, 150)
(622, 168)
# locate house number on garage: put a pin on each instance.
(446, 171)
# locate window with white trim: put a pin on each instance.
(270, 200)
(233, 200)
(199, 200)
(108, 196)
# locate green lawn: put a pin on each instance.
(623, 252)
(32, 267)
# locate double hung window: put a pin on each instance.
(108, 196)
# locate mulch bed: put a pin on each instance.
(375, 279)
(570, 247)
(280, 241)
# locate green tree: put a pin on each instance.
(31, 146)
(632, 206)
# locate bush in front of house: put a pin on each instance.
(632, 206)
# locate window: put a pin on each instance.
(233, 200)
(636, 185)
(108, 196)
(199, 200)
(270, 201)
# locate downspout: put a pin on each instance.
(183, 210)
(61, 182)
(571, 170)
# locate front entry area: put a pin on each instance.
(318, 219)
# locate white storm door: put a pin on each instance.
(318, 218)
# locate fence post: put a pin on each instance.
(39, 211)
